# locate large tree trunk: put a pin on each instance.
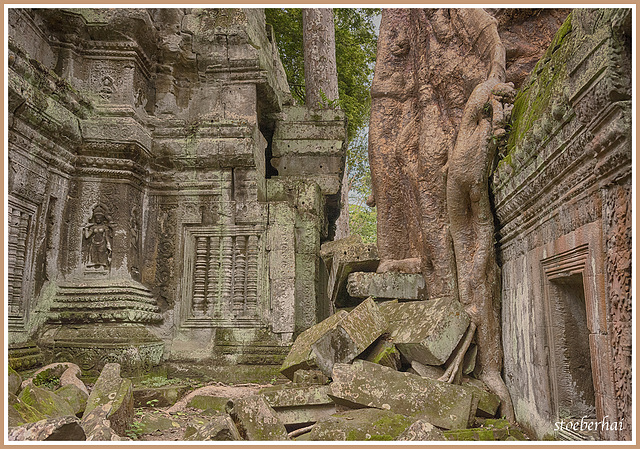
(320, 72)
(321, 83)
(431, 150)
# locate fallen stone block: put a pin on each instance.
(350, 337)
(300, 405)
(203, 402)
(46, 402)
(16, 410)
(117, 394)
(491, 430)
(76, 398)
(160, 396)
(256, 420)
(97, 426)
(390, 285)
(432, 372)
(14, 381)
(218, 428)
(384, 352)
(300, 356)
(421, 430)
(343, 257)
(370, 385)
(488, 403)
(310, 377)
(65, 428)
(153, 422)
(365, 424)
(426, 331)
(291, 396)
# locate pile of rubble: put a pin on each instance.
(55, 405)
(377, 365)
(368, 372)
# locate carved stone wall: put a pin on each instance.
(563, 205)
(144, 201)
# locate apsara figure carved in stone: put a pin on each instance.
(99, 234)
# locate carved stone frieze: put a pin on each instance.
(617, 232)
(563, 185)
(138, 137)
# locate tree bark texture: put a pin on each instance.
(319, 41)
(439, 102)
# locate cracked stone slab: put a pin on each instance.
(389, 285)
(366, 384)
(426, 331)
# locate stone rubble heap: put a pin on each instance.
(369, 372)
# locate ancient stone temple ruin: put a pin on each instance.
(169, 204)
(563, 203)
(166, 198)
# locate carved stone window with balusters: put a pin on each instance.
(220, 278)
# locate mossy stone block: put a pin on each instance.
(293, 396)
(256, 420)
(21, 413)
(367, 424)
(370, 385)
(421, 430)
(426, 331)
(350, 337)
(74, 396)
(46, 402)
(111, 389)
(300, 356)
(15, 381)
(218, 428)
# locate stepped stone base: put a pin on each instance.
(104, 300)
(91, 346)
(24, 356)
(228, 346)
(92, 322)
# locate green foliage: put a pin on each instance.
(161, 381)
(326, 103)
(135, 430)
(356, 43)
(358, 168)
(363, 221)
(49, 379)
(362, 218)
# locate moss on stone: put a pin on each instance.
(543, 85)
(368, 424)
(209, 403)
(44, 401)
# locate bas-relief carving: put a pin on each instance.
(135, 229)
(20, 218)
(98, 235)
(225, 276)
(617, 221)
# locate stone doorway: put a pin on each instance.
(576, 341)
(575, 394)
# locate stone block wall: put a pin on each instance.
(562, 197)
(143, 198)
